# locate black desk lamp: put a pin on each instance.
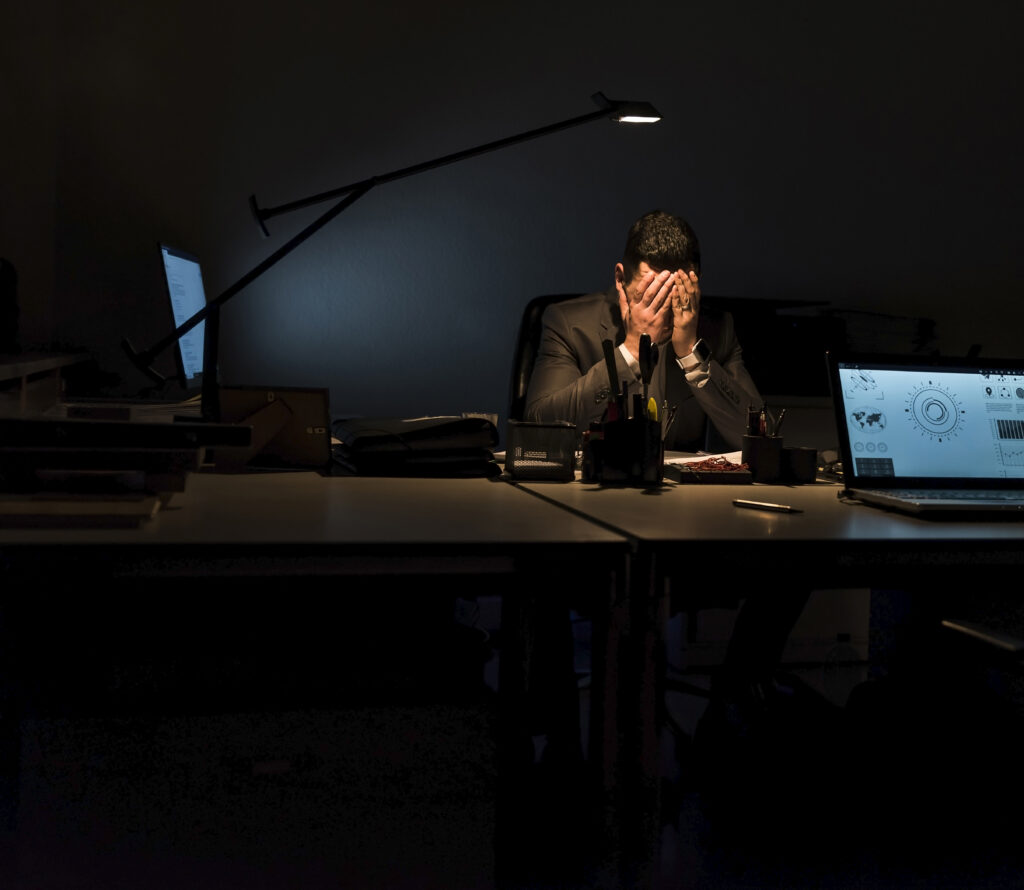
(616, 110)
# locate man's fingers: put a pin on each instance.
(651, 287)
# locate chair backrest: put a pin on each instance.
(527, 344)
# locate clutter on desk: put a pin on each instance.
(445, 446)
(716, 469)
(88, 469)
(768, 458)
(627, 447)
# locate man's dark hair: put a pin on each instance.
(663, 241)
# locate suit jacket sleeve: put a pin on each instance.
(570, 378)
(725, 389)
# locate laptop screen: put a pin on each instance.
(184, 279)
(920, 420)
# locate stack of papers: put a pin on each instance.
(420, 446)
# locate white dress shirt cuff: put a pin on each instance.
(694, 371)
(634, 364)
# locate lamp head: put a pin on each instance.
(627, 112)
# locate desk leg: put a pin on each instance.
(10, 729)
(641, 697)
(609, 630)
(543, 830)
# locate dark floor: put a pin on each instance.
(402, 795)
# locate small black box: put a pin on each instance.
(541, 450)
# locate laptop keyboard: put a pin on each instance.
(957, 494)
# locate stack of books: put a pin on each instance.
(76, 470)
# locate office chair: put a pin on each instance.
(554, 634)
(525, 352)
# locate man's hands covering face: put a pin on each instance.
(685, 311)
(665, 305)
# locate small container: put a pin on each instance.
(632, 452)
(799, 465)
(541, 451)
(763, 455)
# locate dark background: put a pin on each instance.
(867, 155)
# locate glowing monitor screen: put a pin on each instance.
(187, 296)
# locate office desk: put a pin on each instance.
(686, 535)
(831, 544)
(291, 532)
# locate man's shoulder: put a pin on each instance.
(583, 305)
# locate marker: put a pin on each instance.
(763, 505)
(752, 420)
(609, 361)
(646, 361)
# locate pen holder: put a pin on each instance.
(763, 455)
(799, 465)
(626, 452)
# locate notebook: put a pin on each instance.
(931, 433)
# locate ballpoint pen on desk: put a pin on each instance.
(765, 505)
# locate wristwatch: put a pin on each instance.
(701, 352)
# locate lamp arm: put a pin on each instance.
(614, 109)
(264, 213)
(144, 360)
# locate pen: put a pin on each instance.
(763, 505)
(778, 422)
(670, 415)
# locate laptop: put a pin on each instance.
(931, 434)
(185, 296)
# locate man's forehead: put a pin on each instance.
(645, 268)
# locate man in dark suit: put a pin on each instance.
(700, 372)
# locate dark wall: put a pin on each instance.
(868, 155)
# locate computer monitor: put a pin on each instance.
(186, 296)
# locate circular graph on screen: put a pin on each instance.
(934, 410)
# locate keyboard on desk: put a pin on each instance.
(957, 494)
